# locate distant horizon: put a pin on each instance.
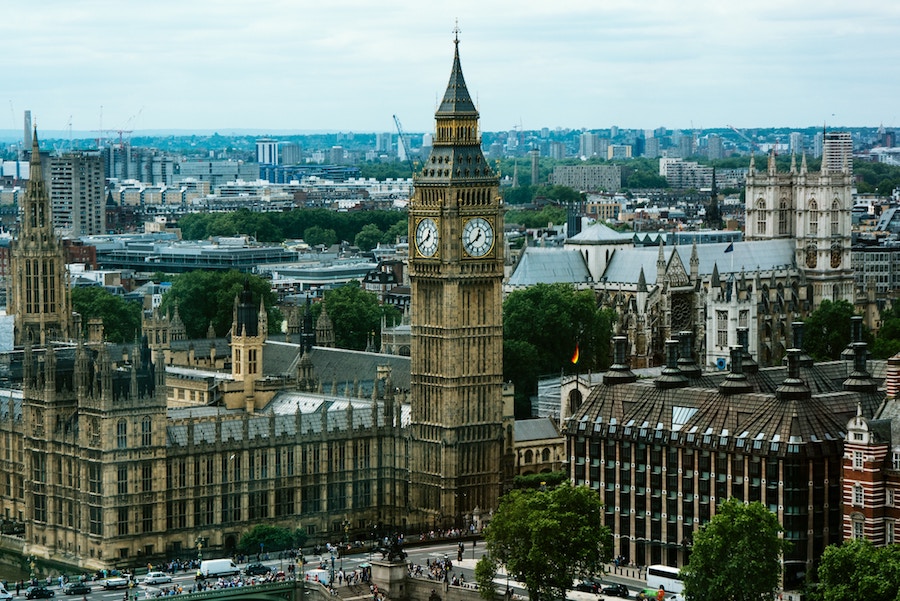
(12, 136)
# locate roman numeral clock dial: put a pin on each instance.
(478, 237)
(427, 237)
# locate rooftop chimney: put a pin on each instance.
(860, 380)
(848, 354)
(686, 362)
(747, 361)
(619, 372)
(735, 382)
(797, 336)
(793, 388)
(671, 376)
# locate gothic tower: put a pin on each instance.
(456, 269)
(249, 329)
(39, 290)
(813, 209)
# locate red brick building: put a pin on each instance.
(871, 470)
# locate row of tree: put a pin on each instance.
(315, 226)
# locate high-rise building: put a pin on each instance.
(715, 149)
(267, 151)
(78, 193)
(456, 272)
(837, 151)
(798, 143)
(383, 142)
(588, 144)
(557, 150)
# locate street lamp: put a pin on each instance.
(199, 543)
(31, 565)
(331, 582)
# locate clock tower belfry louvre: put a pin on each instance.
(456, 271)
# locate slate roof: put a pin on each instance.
(699, 415)
(541, 428)
(626, 263)
(543, 265)
(598, 233)
(289, 413)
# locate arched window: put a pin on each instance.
(835, 218)
(122, 434)
(783, 217)
(529, 456)
(813, 219)
(575, 399)
(545, 455)
(146, 432)
(761, 217)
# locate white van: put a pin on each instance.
(317, 575)
(213, 568)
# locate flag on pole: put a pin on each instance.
(730, 247)
(575, 355)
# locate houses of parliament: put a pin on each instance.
(114, 455)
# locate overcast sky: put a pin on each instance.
(349, 65)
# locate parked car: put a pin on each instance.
(156, 578)
(616, 590)
(38, 592)
(587, 585)
(77, 588)
(257, 569)
(114, 583)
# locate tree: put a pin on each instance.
(737, 555)
(206, 297)
(121, 319)
(485, 571)
(547, 538)
(368, 237)
(827, 330)
(356, 315)
(858, 570)
(316, 235)
(265, 537)
(543, 324)
(887, 342)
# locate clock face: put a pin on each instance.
(478, 237)
(427, 237)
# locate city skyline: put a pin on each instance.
(349, 66)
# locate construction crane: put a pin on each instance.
(753, 145)
(402, 137)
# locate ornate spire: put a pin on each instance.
(457, 100)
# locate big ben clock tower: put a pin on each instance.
(456, 271)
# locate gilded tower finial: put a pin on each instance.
(456, 31)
